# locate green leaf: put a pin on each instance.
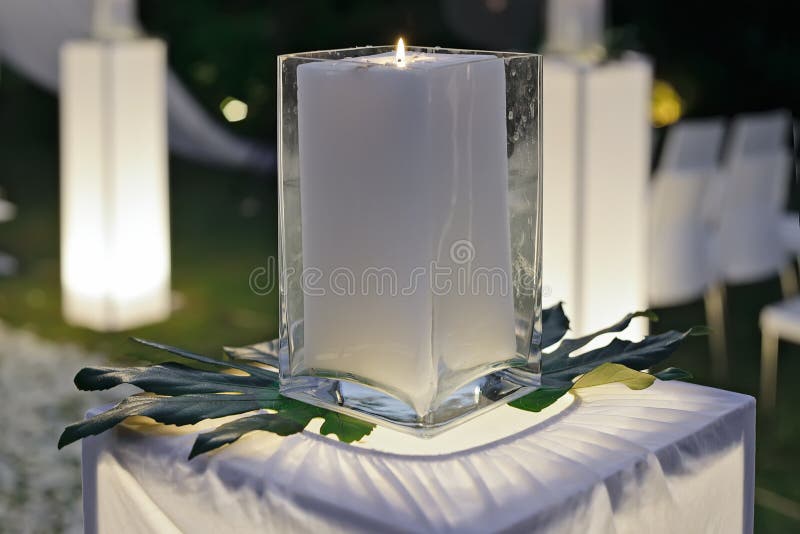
(554, 325)
(637, 355)
(673, 373)
(182, 410)
(300, 411)
(249, 369)
(347, 428)
(569, 346)
(265, 352)
(700, 330)
(185, 395)
(540, 399)
(230, 432)
(293, 418)
(169, 379)
(609, 373)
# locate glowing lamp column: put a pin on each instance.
(596, 173)
(575, 26)
(115, 252)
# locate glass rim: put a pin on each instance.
(323, 55)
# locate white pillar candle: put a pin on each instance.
(404, 173)
(115, 256)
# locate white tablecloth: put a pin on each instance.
(672, 458)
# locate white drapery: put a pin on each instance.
(31, 34)
(671, 458)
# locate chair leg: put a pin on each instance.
(715, 315)
(769, 371)
(789, 282)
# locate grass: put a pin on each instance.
(216, 244)
(223, 225)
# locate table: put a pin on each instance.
(675, 457)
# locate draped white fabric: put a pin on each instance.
(31, 34)
(673, 458)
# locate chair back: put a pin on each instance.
(750, 248)
(678, 268)
(693, 145)
(757, 134)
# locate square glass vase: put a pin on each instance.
(410, 200)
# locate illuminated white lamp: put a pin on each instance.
(575, 27)
(115, 251)
(596, 172)
(114, 19)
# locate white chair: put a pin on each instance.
(747, 203)
(678, 265)
(696, 145)
(790, 221)
(751, 136)
(757, 134)
(749, 245)
(790, 232)
(778, 321)
(693, 145)
(782, 320)
(680, 270)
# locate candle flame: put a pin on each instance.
(400, 54)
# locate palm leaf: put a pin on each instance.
(611, 363)
(181, 410)
(569, 346)
(230, 432)
(554, 325)
(611, 373)
(181, 395)
(169, 379)
(673, 373)
(249, 369)
(347, 428)
(265, 352)
(638, 355)
(541, 398)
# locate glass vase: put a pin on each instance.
(410, 200)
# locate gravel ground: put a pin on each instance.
(40, 486)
